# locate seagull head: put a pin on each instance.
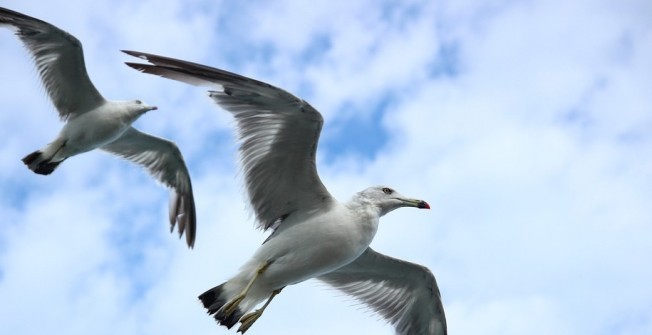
(387, 199)
(141, 107)
(131, 110)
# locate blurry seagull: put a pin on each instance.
(314, 235)
(93, 122)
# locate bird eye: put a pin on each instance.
(139, 102)
(387, 190)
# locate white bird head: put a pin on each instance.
(387, 199)
(137, 106)
(133, 109)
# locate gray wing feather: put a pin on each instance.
(164, 162)
(59, 59)
(404, 293)
(278, 135)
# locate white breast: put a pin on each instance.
(318, 245)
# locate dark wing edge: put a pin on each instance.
(403, 293)
(275, 129)
(163, 160)
(59, 60)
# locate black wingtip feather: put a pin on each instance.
(138, 66)
(186, 220)
(135, 54)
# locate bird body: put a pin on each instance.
(87, 131)
(335, 237)
(100, 126)
(333, 242)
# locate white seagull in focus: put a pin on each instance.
(93, 122)
(314, 235)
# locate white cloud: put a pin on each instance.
(532, 156)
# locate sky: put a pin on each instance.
(527, 126)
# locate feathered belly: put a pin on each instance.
(306, 251)
(88, 132)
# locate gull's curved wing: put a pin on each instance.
(164, 162)
(404, 293)
(59, 60)
(278, 135)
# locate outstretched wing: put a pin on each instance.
(404, 293)
(278, 135)
(164, 162)
(59, 60)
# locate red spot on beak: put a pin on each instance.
(423, 205)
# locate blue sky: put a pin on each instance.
(525, 124)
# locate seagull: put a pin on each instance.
(313, 235)
(93, 122)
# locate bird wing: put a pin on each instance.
(278, 135)
(404, 293)
(164, 162)
(59, 60)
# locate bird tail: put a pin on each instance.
(213, 300)
(47, 159)
(37, 162)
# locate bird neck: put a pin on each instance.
(365, 216)
(364, 205)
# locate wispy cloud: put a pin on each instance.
(525, 124)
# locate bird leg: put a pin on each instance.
(249, 319)
(230, 307)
